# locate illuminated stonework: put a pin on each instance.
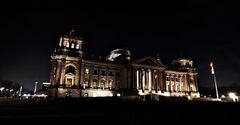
(74, 75)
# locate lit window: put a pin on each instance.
(67, 44)
(86, 71)
(77, 47)
(110, 83)
(72, 46)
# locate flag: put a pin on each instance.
(212, 69)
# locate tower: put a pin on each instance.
(66, 61)
(186, 65)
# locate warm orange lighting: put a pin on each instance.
(233, 96)
(212, 69)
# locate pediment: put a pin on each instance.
(149, 61)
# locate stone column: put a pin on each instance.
(137, 78)
(99, 78)
(185, 83)
(91, 76)
(149, 80)
(161, 81)
(81, 74)
(106, 85)
(168, 83)
(76, 76)
(195, 81)
(180, 83)
(143, 80)
(129, 78)
(133, 78)
(146, 80)
(62, 79)
(153, 80)
(175, 82)
(156, 82)
(58, 73)
(140, 79)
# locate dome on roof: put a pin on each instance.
(182, 64)
(114, 54)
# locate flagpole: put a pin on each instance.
(216, 88)
(35, 88)
(215, 81)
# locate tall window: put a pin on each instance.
(118, 74)
(72, 46)
(87, 71)
(95, 72)
(110, 73)
(103, 73)
(77, 47)
(67, 44)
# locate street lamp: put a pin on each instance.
(233, 96)
(2, 88)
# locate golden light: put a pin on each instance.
(233, 96)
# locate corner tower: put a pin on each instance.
(66, 61)
(186, 65)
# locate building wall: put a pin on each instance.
(183, 83)
(71, 73)
(100, 75)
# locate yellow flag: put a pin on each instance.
(212, 69)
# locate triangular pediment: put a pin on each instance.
(149, 61)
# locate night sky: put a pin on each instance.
(198, 30)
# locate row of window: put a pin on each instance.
(73, 45)
(95, 72)
(172, 79)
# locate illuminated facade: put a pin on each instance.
(75, 75)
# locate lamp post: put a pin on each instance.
(35, 88)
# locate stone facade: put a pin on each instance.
(74, 75)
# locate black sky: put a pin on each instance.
(198, 30)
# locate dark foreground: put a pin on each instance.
(118, 111)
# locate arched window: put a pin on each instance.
(70, 69)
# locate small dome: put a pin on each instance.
(182, 64)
